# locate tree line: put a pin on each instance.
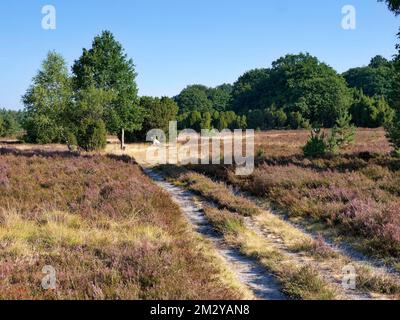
(99, 96)
(376, 101)
(10, 123)
(299, 91)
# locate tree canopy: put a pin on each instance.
(47, 100)
(194, 98)
(101, 96)
(295, 83)
(375, 79)
(249, 90)
(393, 5)
(158, 113)
(106, 66)
(204, 99)
(10, 122)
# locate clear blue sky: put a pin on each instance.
(179, 42)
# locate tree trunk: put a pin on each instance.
(123, 139)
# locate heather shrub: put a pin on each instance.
(380, 223)
(353, 194)
(104, 227)
(376, 172)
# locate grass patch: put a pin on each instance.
(297, 282)
(214, 191)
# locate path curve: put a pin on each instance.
(248, 271)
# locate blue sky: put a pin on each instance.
(179, 42)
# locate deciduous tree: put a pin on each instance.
(106, 66)
(47, 100)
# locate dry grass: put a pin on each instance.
(216, 192)
(298, 282)
(278, 143)
(355, 194)
(284, 241)
(105, 228)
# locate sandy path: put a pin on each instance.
(247, 270)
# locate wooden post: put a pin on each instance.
(123, 139)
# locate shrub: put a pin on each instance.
(41, 129)
(377, 221)
(342, 134)
(92, 135)
(393, 135)
(296, 121)
(70, 140)
(9, 125)
(1, 126)
(316, 144)
(371, 112)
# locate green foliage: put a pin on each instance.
(220, 97)
(342, 134)
(248, 91)
(206, 121)
(2, 130)
(10, 123)
(256, 119)
(203, 99)
(302, 83)
(393, 5)
(70, 140)
(86, 118)
(211, 120)
(393, 128)
(194, 98)
(316, 144)
(158, 112)
(393, 134)
(47, 101)
(396, 86)
(106, 66)
(275, 118)
(299, 91)
(92, 134)
(195, 120)
(376, 79)
(297, 83)
(371, 112)
(296, 121)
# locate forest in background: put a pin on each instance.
(100, 96)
